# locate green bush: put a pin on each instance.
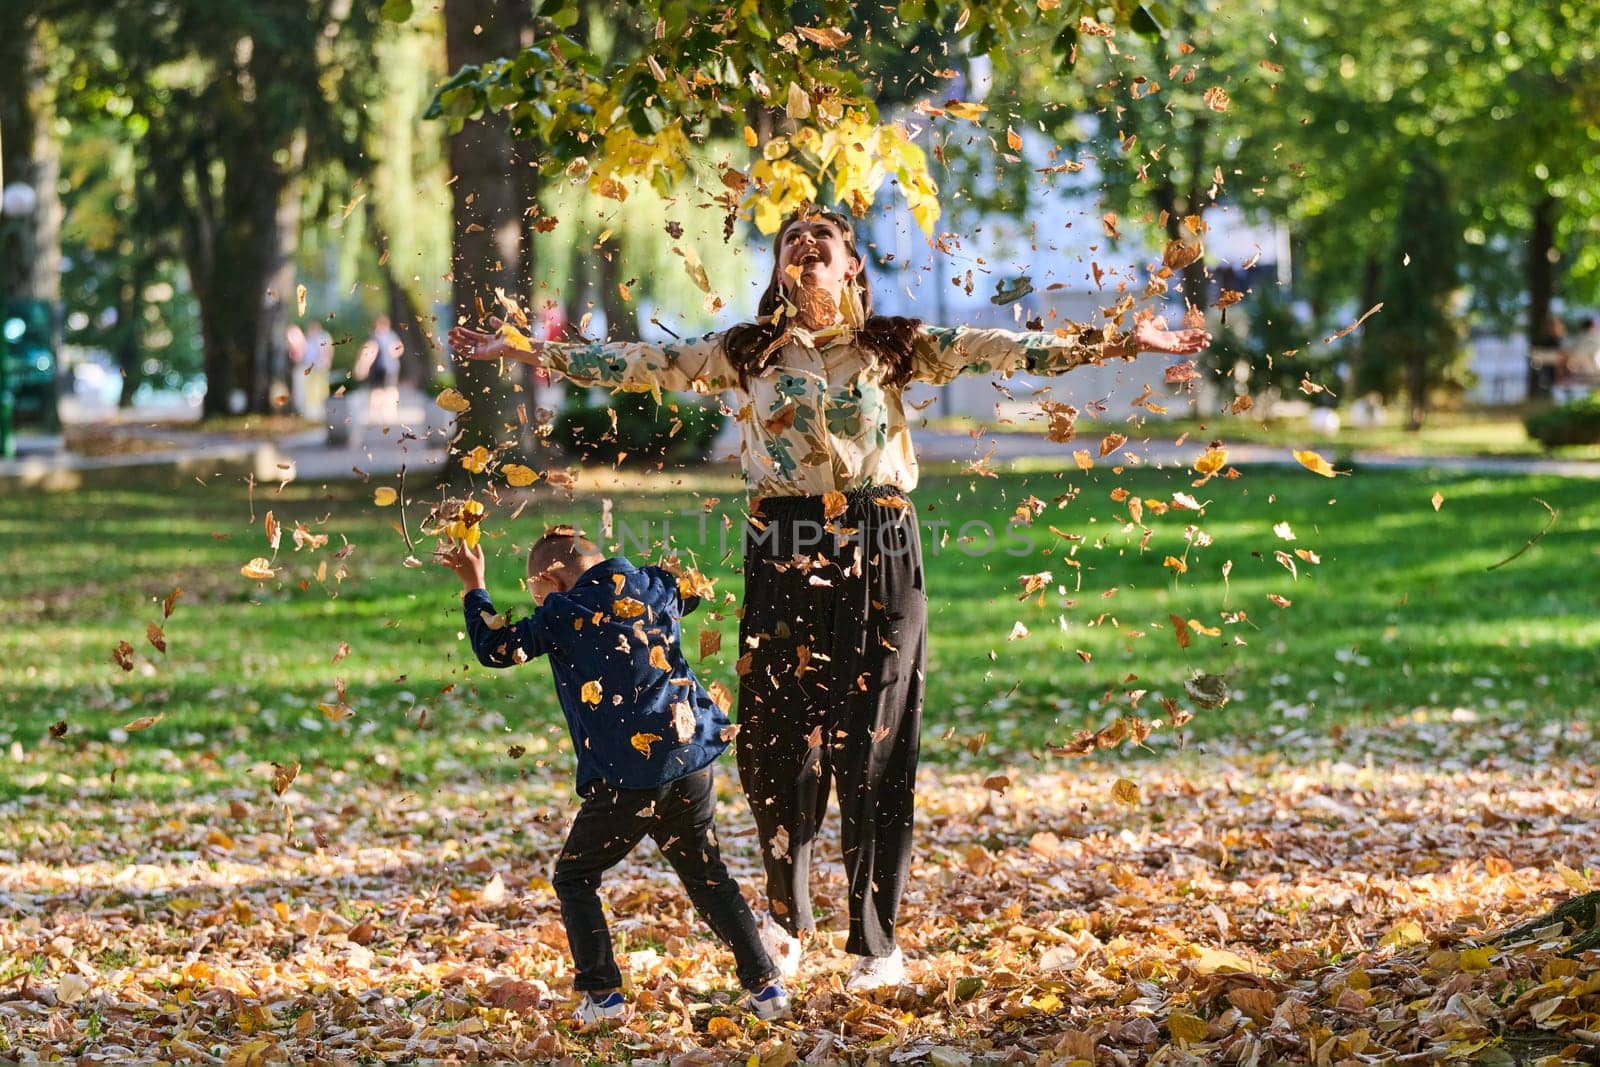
(1573, 423)
(680, 429)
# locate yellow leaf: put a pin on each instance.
(1013, 139)
(658, 658)
(452, 401)
(723, 1028)
(1208, 961)
(1211, 461)
(143, 722)
(1186, 1027)
(961, 109)
(1176, 564)
(591, 692)
(628, 608)
(642, 742)
(826, 36)
(1314, 463)
(696, 269)
(1084, 460)
(515, 338)
(1049, 1004)
(1475, 959)
(1124, 791)
(750, 137)
(258, 569)
(1402, 934)
(300, 300)
(476, 460)
(1438, 501)
(383, 496)
(833, 504)
(798, 105)
(518, 476)
(1576, 881)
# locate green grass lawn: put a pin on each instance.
(1401, 616)
(1468, 432)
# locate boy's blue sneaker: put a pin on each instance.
(770, 1003)
(597, 1008)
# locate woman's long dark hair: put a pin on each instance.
(752, 346)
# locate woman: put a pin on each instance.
(834, 627)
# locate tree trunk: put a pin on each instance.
(1579, 919)
(487, 247)
(130, 329)
(270, 369)
(417, 366)
(1541, 282)
(30, 258)
(622, 315)
(238, 247)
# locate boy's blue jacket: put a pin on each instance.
(650, 726)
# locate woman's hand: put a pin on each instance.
(1150, 334)
(475, 344)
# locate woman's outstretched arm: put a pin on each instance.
(942, 354)
(698, 365)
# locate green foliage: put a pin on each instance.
(1419, 338)
(678, 430)
(1263, 333)
(1576, 422)
(691, 73)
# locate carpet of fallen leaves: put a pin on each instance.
(1329, 904)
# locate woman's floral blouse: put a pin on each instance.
(821, 418)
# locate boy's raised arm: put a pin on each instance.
(494, 642)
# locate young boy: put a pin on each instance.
(646, 733)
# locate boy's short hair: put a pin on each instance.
(563, 552)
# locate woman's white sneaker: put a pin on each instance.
(771, 1003)
(877, 972)
(596, 1008)
(782, 947)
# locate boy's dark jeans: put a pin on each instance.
(679, 817)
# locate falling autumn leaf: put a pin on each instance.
(1314, 463)
(1013, 139)
(591, 692)
(1124, 791)
(642, 743)
(477, 460)
(156, 636)
(283, 776)
(826, 36)
(122, 655)
(452, 401)
(1437, 500)
(834, 504)
(964, 110)
(1110, 443)
(143, 722)
(170, 602)
(273, 530)
(258, 569)
(517, 475)
(383, 496)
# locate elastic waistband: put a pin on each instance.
(773, 506)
